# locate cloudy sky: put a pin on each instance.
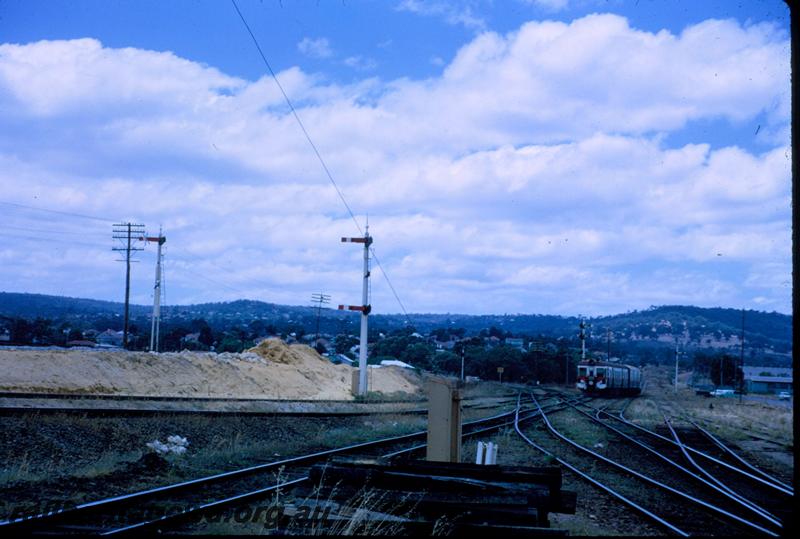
(524, 156)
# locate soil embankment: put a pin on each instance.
(271, 370)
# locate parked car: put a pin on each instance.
(785, 396)
(722, 393)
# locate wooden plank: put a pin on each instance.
(550, 475)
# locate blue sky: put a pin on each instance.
(543, 156)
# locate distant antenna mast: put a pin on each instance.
(125, 233)
(319, 299)
(155, 326)
(365, 309)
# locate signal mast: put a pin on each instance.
(365, 309)
(154, 328)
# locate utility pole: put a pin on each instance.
(319, 299)
(676, 368)
(125, 232)
(583, 340)
(537, 347)
(156, 323)
(740, 374)
(463, 349)
(365, 309)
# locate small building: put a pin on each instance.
(395, 363)
(767, 379)
(338, 359)
(515, 342)
(767, 384)
(110, 338)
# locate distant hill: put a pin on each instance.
(686, 325)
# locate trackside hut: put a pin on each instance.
(767, 379)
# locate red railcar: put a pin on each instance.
(612, 379)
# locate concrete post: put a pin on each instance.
(444, 419)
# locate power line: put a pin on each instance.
(316, 152)
(209, 279)
(53, 240)
(52, 231)
(70, 214)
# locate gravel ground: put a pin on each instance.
(51, 457)
(55, 457)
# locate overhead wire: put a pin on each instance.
(71, 214)
(318, 154)
(98, 245)
(52, 240)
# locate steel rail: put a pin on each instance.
(621, 418)
(663, 522)
(735, 455)
(735, 495)
(204, 507)
(139, 526)
(176, 487)
(476, 432)
(655, 482)
(736, 498)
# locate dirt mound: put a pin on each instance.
(271, 370)
(391, 380)
(276, 350)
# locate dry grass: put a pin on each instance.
(726, 417)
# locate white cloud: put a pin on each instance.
(532, 175)
(461, 14)
(360, 63)
(315, 48)
(549, 5)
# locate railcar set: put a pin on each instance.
(611, 379)
(599, 378)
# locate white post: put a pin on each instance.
(362, 348)
(157, 298)
(481, 451)
(491, 454)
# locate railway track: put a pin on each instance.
(167, 506)
(735, 469)
(682, 508)
(705, 485)
(109, 406)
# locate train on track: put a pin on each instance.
(611, 379)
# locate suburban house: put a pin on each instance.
(110, 338)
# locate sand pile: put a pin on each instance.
(271, 370)
(277, 351)
(392, 380)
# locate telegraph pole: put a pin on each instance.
(365, 309)
(319, 299)
(463, 348)
(676, 368)
(741, 363)
(125, 232)
(583, 340)
(583, 351)
(156, 324)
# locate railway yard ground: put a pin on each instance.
(75, 456)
